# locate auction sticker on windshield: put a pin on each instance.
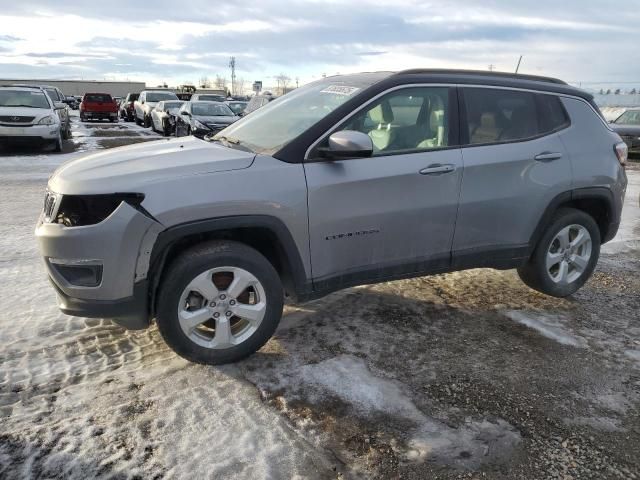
(340, 90)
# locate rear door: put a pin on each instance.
(515, 164)
(392, 213)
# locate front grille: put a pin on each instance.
(16, 119)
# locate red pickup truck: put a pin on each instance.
(98, 106)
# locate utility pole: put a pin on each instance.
(492, 67)
(232, 66)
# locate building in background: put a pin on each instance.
(80, 87)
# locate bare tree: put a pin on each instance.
(221, 83)
(238, 87)
(283, 81)
(204, 82)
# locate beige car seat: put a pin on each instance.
(383, 135)
(487, 131)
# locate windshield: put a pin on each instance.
(271, 127)
(630, 117)
(23, 98)
(237, 107)
(211, 110)
(160, 96)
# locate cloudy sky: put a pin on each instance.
(181, 41)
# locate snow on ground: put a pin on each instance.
(551, 326)
(476, 442)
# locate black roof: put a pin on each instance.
(482, 73)
(501, 79)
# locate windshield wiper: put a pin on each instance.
(230, 142)
(13, 106)
(224, 139)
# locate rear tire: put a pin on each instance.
(198, 270)
(565, 256)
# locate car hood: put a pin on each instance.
(226, 119)
(622, 129)
(128, 169)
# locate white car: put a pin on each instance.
(163, 116)
(146, 102)
(28, 116)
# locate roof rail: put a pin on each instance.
(520, 76)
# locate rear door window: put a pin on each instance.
(501, 115)
(497, 116)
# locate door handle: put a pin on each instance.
(437, 168)
(547, 156)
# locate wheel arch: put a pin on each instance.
(598, 202)
(268, 235)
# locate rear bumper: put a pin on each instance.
(130, 312)
(100, 115)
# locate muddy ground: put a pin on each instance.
(465, 375)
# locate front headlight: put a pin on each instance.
(200, 125)
(82, 210)
(48, 120)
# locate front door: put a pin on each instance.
(393, 213)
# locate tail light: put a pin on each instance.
(622, 152)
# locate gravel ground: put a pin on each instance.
(465, 375)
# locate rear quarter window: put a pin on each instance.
(551, 114)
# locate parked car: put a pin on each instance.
(237, 107)
(126, 107)
(207, 97)
(203, 118)
(147, 102)
(163, 117)
(28, 115)
(258, 101)
(56, 95)
(184, 96)
(98, 106)
(349, 180)
(72, 102)
(627, 126)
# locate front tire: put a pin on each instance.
(565, 256)
(220, 302)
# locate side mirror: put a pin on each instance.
(59, 105)
(348, 144)
(184, 112)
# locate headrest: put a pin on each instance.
(488, 120)
(381, 113)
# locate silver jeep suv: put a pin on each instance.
(350, 180)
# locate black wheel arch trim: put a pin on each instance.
(596, 193)
(168, 237)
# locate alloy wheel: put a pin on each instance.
(569, 254)
(222, 307)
